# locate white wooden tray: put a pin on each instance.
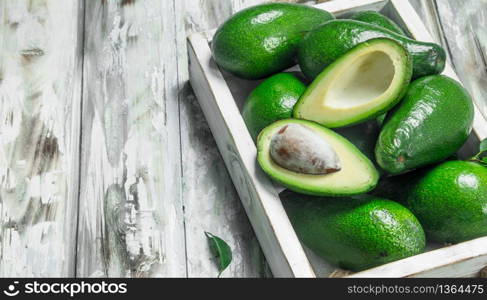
(221, 96)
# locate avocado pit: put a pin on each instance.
(299, 149)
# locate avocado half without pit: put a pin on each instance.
(308, 158)
(362, 84)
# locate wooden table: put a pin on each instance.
(107, 166)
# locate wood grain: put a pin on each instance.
(211, 202)
(152, 179)
(461, 260)
(40, 96)
(257, 192)
(460, 27)
(131, 218)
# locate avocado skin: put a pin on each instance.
(262, 40)
(431, 123)
(389, 102)
(364, 137)
(355, 233)
(450, 202)
(271, 101)
(397, 188)
(322, 46)
(299, 185)
(378, 19)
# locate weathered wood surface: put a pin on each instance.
(131, 187)
(130, 212)
(463, 260)
(151, 180)
(40, 96)
(211, 202)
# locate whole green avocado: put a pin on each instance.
(378, 19)
(450, 201)
(324, 45)
(431, 123)
(271, 101)
(262, 40)
(355, 233)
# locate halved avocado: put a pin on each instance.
(364, 83)
(357, 174)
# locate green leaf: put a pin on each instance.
(483, 150)
(221, 250)
(483, 146)
(484, 160)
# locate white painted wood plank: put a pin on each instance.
(338, 7)
(461, 260)
(131, 218)
(257, 193)
(460, 27)
(40, 97)
(210, 200)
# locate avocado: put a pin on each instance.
(262, 40)
(364, 137)
(324, 45)
(430, 124)
(362, 84)
(357, 232)
(352, 174)
(378, 19)
(271, 101)
(450, 201)
(398, 187)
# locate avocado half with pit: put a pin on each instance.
(364, 83)
(310, 159)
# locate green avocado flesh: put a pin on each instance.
(378, 19)
(355, 233)
(324, 45)
(364, 83)
(271, 101)
(357, 174)
(450, 201)
(430, 124)
(262, 40)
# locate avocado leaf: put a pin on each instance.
(221, 250)
(483, 146)
(481, 157)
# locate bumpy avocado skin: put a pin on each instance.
(450, 201)
(262, 40)
(355, 233)
(431, 123)
(271, 101)
(378, 19)
(322, 46)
